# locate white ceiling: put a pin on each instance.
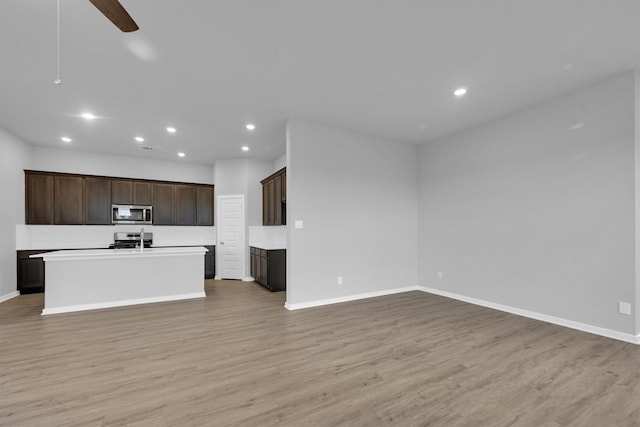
(207, 67)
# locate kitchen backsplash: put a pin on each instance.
(101, 236)
(270, 237)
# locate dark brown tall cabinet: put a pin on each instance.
(274, 198)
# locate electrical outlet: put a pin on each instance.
(339, 280)
(439, 275)
(624, 307)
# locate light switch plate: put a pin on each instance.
(299, 223)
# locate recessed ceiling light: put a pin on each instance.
(88, 116)
(181, 154)
(139, 139)
(65, 139)
(250, 126)
(460, 91)
(171, 129)
(245, 148)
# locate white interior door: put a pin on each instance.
(230, 247)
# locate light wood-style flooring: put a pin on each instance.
(238, 358)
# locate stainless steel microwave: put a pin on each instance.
(131, 214)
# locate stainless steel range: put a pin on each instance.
(130, 240)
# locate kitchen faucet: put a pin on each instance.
(141, 239)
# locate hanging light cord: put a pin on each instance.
(57, 80)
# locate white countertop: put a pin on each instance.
(80, 254)
(269, 247)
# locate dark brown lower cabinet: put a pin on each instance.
(268, 267)
(210, 263)
(30, 272)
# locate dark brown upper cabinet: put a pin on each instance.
(121, 192)
(38, 198)
(205, 205)
(67, 200)
(97, 201)
(142, 193)
(277, 199)
(130, 192)
(186, 205)
(270, 190)
(164, 202)
(266, 196)
(284, 188)
(274, 197)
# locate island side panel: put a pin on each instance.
(84, 284)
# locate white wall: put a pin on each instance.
(243, 176)
(357, 197)
(81, 162)
(15, 156)
(230, 177)
(536, 211)
(637, 159)
(280, 162)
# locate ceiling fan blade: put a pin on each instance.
(117, 14)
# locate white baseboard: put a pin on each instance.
(121, 303)
(621, 336)
(7, 297)
(347, 298)
(248, 279)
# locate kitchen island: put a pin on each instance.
(91, 279)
